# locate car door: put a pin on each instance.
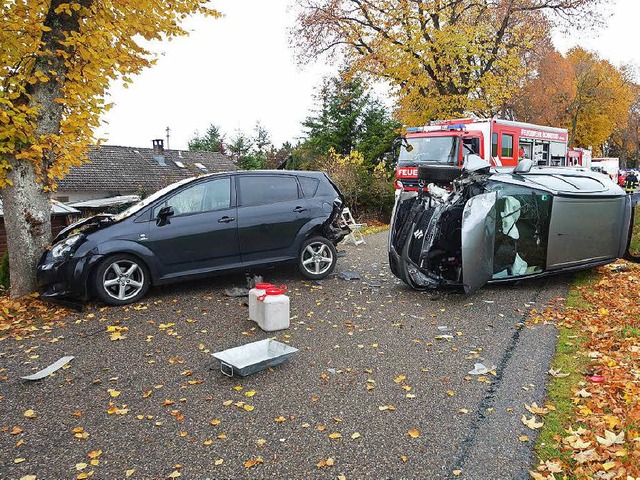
(478, 236)
(201, 235)
(271, 212)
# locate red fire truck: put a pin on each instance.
(446, 143)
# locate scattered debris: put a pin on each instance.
(236, 292)
(253, 281)
(557, 373)
(349, 276)
(443, 328)
(45, 372)
(618, 267)
(481, 369)
(444, 337)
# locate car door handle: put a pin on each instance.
(226, 219)
(299, 209)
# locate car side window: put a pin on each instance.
(259, 190)
(202, 197)
(309, 186)
(522, 230)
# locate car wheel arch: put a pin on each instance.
(91, 274)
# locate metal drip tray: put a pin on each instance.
(253, 357)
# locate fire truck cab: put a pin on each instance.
(445, 144)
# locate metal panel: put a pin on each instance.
(585, 230)
(478, 236)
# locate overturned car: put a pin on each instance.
(481, 225)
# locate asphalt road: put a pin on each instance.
(372, 367)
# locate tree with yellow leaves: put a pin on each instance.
(57, 59)
(444, 58)
(603, 98)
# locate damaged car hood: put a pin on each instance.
(86, 225)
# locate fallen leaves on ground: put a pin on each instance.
(21, 317)
(604, 439)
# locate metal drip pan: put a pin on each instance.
(253, 357)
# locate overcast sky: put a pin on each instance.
(239, 69)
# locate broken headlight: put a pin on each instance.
(63, 249)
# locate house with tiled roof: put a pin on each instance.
(114, 171)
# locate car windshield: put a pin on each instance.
(133, 209)
(442, 149)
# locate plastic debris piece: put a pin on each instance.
(444, 337)
(481, 369)
(45, 372)
(618, 267)
(443, 328)
(349, 276)
(596, 378)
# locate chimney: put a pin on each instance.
(158, 151)
(158, 146)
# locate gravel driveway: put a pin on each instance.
(379, 387)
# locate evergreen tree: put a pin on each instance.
(347, 118)
(211, 141)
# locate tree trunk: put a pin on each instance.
(27, 210)
(27, 220)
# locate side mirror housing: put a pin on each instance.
(524, 166)
(163, 215)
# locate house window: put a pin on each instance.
(507, 145)
(494, 144)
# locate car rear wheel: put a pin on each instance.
(121, 279)
(317, 258)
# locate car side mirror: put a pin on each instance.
(163, 215)
(524, 166)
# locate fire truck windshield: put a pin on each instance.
(441, 149)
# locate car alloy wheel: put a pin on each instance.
(317, 258)
(121, 279)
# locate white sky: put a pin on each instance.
(239, 69)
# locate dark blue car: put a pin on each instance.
(197, 227)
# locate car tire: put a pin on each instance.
(317, 258)
(121, 279)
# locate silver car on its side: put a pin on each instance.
(484, 225)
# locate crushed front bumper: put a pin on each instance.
(65, 279)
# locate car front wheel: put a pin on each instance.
(121, 279)
(317, 258)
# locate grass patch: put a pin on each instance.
(371, 229)
(634, 246)
(568, 360)
(630, 332)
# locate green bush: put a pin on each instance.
(4, 271)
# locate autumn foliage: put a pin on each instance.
(76, 49)
(602, 440)
(442, 58)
